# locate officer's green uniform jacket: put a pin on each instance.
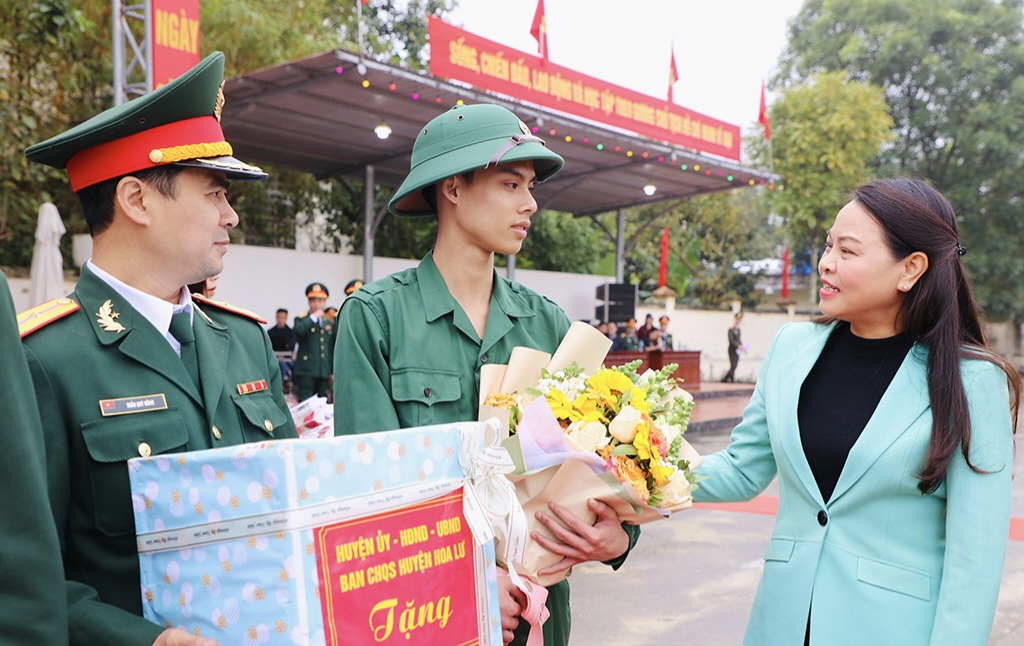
(413, 358)
(76, 364)
(30, 571)
(315, 356)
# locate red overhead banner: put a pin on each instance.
(487, 65)
(175, 39)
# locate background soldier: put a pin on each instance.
(313, 372)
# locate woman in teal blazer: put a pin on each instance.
(889, 423)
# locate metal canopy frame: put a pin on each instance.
(318, 115)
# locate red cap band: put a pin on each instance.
(130, 154)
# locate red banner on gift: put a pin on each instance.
(400, 577)
(487, 65)
(175, 39)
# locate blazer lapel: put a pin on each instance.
(787, 396)
(212, 344)
(905, 400)
(116, 322)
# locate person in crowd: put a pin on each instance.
(206, 288)
(313, 373)
(645, 329)
(414, 341)
(613, 330)
(131, 364)
(735, 347)
(602, 327)
(666, 336)
(31, 611)
(352, 286)
(283, 341)
(654, 341)
(889, 422)
(628, 339)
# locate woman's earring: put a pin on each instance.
(904, 287)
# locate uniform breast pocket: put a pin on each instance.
(423, 396)
(259, 416)
(110, 442)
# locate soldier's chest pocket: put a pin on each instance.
(423, 397)
(111, 442)
(260, 416)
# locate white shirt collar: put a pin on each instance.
(155, 310)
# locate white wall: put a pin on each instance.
(263, 279)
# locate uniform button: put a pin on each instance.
(426, 392)
(483, 359)
(822, 518)
(145, 450)
(216, 431)
(267, 424)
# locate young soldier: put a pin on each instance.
(314, 360)
(131, 364)
(413, 343)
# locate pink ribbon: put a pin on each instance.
(536, 611)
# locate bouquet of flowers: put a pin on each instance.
(583, 431)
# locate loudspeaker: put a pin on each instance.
(616, 302)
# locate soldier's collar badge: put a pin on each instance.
(106, 318)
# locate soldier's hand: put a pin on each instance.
(179, 637)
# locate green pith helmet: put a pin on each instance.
(178, 123)
(466, 138)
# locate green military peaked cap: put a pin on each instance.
(466, 138)
(178, 123)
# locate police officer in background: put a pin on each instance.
(313, 372)
(131, 364)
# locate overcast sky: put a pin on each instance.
(724, 48)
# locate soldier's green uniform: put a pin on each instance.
(105, 364)
(32, 609)
(314, 359)
(410, 353)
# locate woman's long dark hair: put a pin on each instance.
(939, 311)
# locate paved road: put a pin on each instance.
(692, 578)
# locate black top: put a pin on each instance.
(282, 338)
(840, 395)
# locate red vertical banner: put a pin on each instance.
(762, 115)
(400, 577)
(673, 73)
(663, 267)
(785, 273)
(174, 38)
(539, 30)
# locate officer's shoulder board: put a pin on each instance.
(225, 307)
(40, 316)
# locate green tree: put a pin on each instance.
(826, 134)
(953, 76)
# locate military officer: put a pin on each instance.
(314, 360)
(415, 341)
(131, 364)
(30, 611)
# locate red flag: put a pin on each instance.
(762, 115)
(539, 30)
(785, 273)
(663, 269)
(673, 73)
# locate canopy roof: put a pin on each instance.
(318, 115)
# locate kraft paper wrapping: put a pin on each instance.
(582, 344)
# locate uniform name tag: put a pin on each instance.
(126, 405)
(252, 387)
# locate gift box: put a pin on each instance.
(356, 540)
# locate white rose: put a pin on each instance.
(623, 427)
(677, 392)
(670, 431)
(676, 493)
(587, 436)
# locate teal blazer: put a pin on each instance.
(881, 563)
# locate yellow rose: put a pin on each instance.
(675, 493)
(588, 436)
(623, 427)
